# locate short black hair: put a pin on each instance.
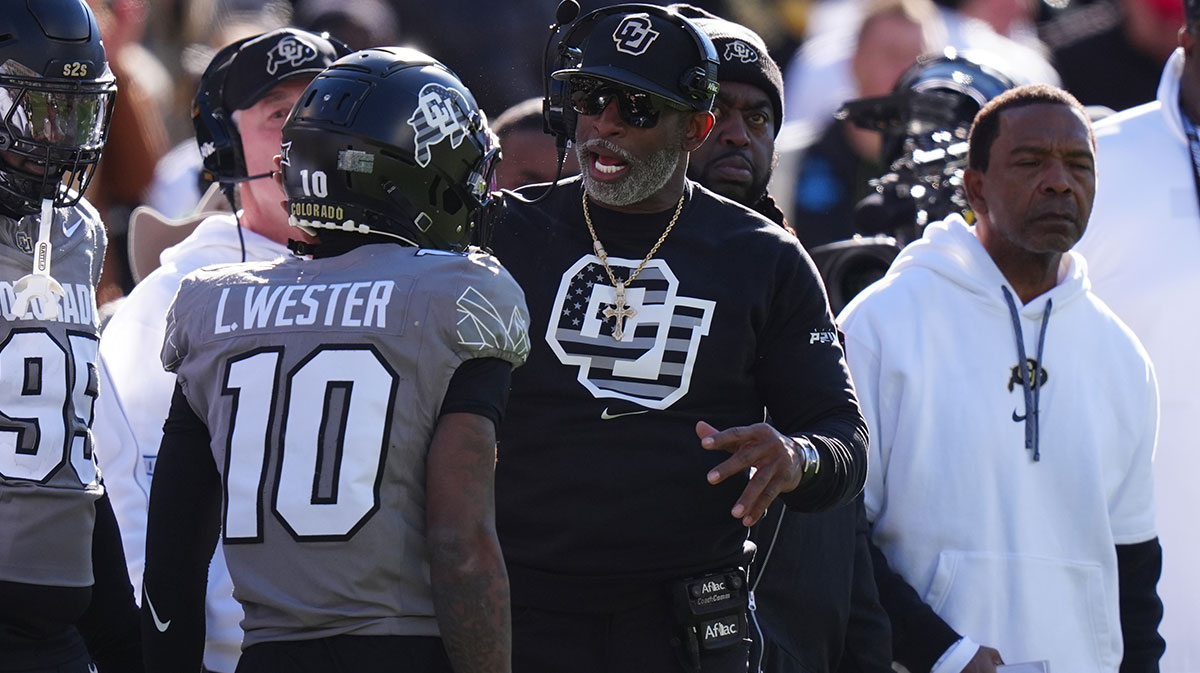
(986, 126)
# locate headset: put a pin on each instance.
(698, 83)
(558, 117)
(216, 133)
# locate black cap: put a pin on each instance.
(265, 61)
(652, 53)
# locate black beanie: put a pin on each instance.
(741, 55)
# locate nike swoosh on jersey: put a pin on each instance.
(69, 231)
(1017, 418)
(605, 416)
(158, 623)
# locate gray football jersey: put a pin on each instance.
(320, 382)
(48, 477)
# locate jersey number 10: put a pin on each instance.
(332, 440)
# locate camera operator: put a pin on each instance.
(923, 124)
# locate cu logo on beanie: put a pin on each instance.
(741, 51)
(290, 51)
(634, 35)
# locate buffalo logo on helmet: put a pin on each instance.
(441, 113)
(291, 51)
(634, 35)
(740, 51)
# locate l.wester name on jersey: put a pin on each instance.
(362, 304)
(77, 305)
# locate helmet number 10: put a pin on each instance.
(315, 184)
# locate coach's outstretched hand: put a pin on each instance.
(777, 459)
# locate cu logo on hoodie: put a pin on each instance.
(634, 35)
(1032, 370)
(291, 51)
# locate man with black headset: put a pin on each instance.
(244, 96)
(670, 319)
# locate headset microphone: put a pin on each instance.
(566, 13)
(555, 93)
(240, 180)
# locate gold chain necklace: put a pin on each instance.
(621, 310)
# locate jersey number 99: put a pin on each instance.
(47, 398)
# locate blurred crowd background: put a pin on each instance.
(1109, 53)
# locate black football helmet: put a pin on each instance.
(56, 99)
(389, 141)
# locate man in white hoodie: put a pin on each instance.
(1141, 249)
(244, 97)
(1012, 418)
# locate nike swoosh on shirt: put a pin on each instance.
(69, 231)
(158, 623)
(605, 416)
(1017, 418)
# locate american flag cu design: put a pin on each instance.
(441, 113)
(652, 363)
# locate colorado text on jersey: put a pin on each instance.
(77, 305)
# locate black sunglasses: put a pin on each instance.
(589, 96)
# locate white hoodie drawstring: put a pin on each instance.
(1032, 389)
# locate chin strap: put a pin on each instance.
(40, 284)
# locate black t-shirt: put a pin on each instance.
(601, 478)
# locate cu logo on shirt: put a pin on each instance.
(634, 35)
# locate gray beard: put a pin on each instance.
(644, 179)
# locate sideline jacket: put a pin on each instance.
(1003, 509)
(137, 396)
(1141, 245)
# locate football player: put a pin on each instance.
(66, 603)
(335, 417)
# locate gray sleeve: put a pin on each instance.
(492, 319)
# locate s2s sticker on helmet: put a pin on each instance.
(441, 113)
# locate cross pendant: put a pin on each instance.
(619, 310)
